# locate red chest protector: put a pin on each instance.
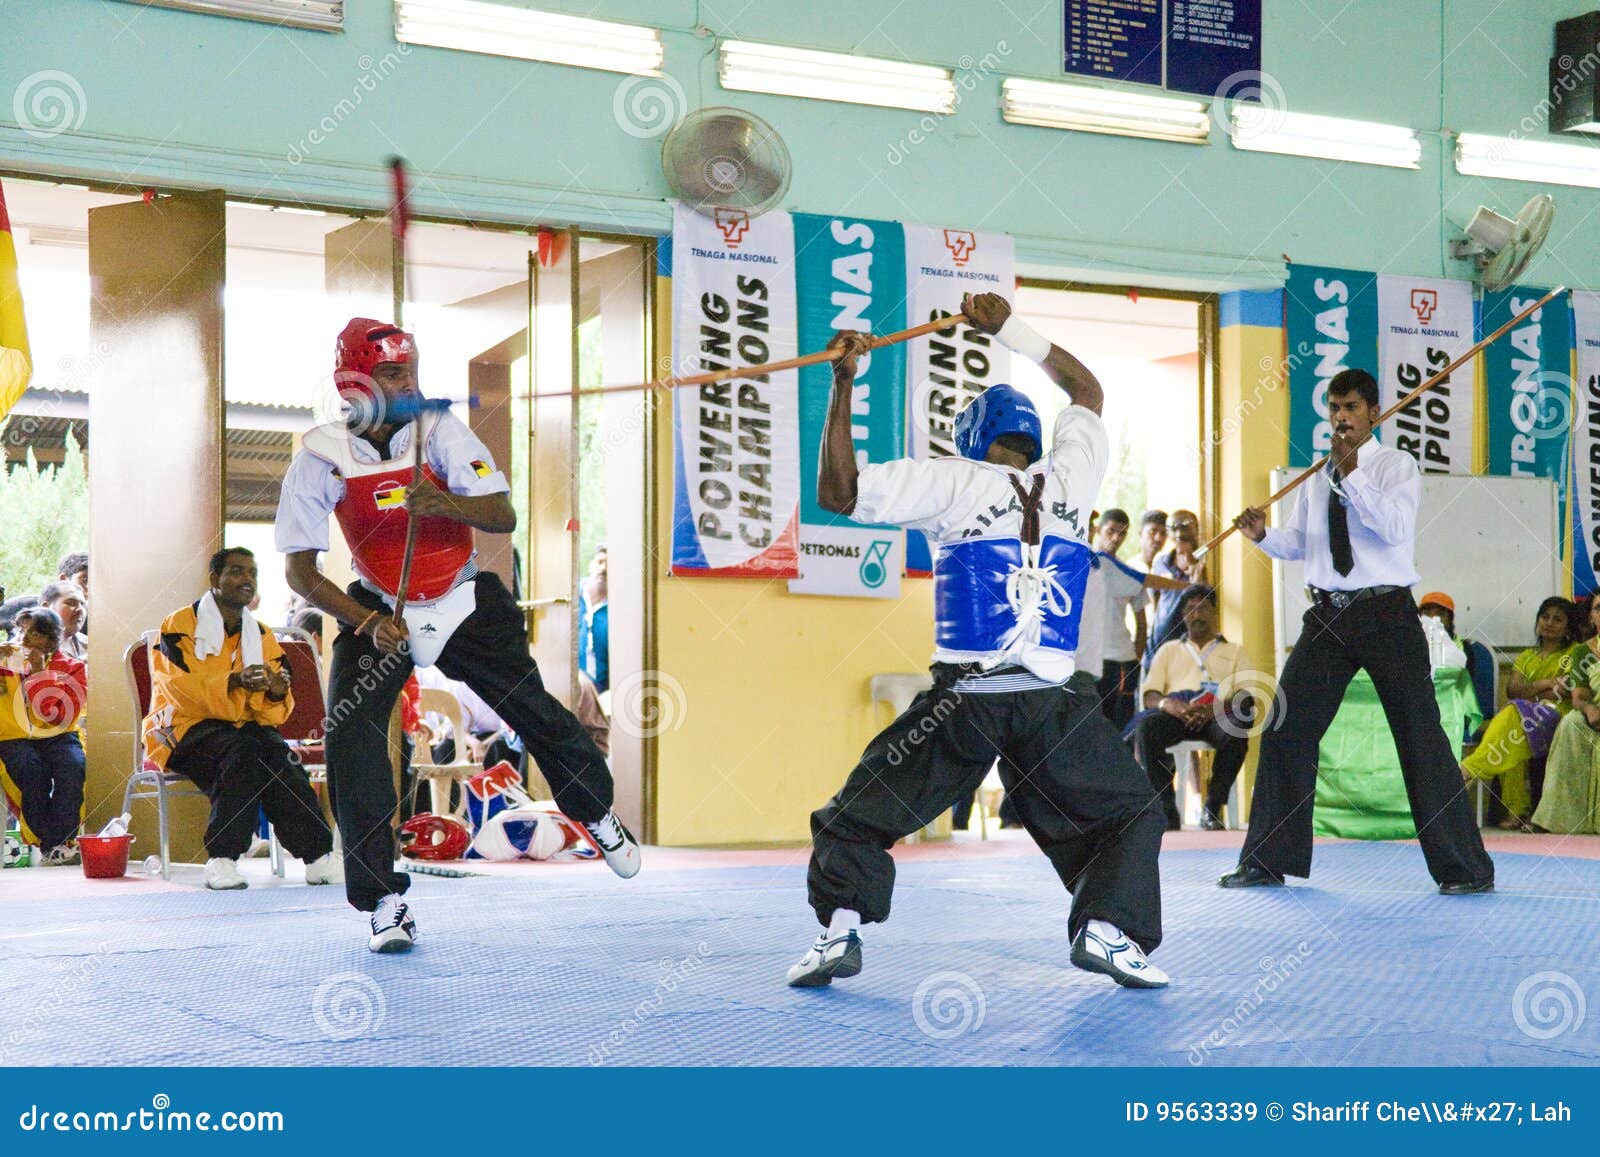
(373, 517)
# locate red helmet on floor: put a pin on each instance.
(429, 837)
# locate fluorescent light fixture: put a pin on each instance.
(1119, 113)
(261, 208)
(323, 15)
(1513, 160)
(839, 76)
(1261, 128)
(528, 34)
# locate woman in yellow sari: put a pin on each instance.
(1571, 801)
(1539, 691)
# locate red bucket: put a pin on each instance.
(104, 857)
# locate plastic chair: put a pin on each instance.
(1191, 775)
(304, 730)
(434, 700)
(148, 781)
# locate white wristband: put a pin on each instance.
(1021, 337)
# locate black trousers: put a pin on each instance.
(489, 653)
(1383, 636)
(1080, 795)
(1158, 731)
(49, 775)
(245, 770)
(1119, 691)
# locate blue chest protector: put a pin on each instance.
(985, 598)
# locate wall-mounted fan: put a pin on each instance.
(1503, 246)
(726, 158)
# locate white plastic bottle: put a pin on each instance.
(117, 826)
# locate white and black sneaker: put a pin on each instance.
(828, 959)
(616, 844)
(1103, 947)
(222, 875)
(393, 929)
(61, 856)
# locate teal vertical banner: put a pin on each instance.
(1529, 375)
(850, 274)
(1331, 316)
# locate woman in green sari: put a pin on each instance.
(1571, 801)
(1539, 694)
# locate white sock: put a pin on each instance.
(844, 920)
(1105, 930)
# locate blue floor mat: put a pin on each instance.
(1364, 965)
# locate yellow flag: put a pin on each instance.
(16, 367)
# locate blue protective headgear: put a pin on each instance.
(1001, 409)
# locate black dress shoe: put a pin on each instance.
(1250, 876)
(1210, 823)
(1467, 888)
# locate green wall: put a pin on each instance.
(175, 98)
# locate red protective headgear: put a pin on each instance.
(364, 343)
(434, 837)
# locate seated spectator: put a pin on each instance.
(42, 697)
(11, 608)
(488, 740)
(219, 691)
(1441, 608)
(1107, 650)
(67, 600)
(1539, 691)
(1571, 800)
(1193, 692)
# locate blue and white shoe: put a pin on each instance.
(393, 929)
(1103, 947)
(826, 960)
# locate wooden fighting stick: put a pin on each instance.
(1404, 402)
(399, 219)
(927, 327)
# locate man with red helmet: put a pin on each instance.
(456, 617)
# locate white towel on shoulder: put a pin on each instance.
(211, 636)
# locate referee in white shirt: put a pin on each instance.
(1354, 523)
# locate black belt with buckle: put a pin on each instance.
(1339, 600)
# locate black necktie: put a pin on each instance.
(1338, 529)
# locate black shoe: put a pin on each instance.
(1466, 888)
(1210, 823)
(1250, 876)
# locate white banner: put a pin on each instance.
(1586, 446)
(736, 493)
(946, 370)
(1423, 325)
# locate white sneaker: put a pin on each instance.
(1103, 947)
(325, 869)
(222, 875)
(259, 847)
(393, 929)
(616, 844)
(61, 856)
(826, 959)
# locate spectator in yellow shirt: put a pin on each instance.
(219, 691)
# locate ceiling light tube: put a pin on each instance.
(838, 76)
(1509, 159)
(528, 34)
(1084, 108)
(1260, 128)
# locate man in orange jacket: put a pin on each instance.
(219, 691)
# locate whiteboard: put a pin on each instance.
(1490, 543)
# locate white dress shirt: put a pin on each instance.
(1381, 498)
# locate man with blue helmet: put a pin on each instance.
(1009, 519)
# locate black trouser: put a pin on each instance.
(245, 769)
(1079, 792)
(1157, 731)
(1119, 691)
(1383, 636)
(489, 653)
(49, 775)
